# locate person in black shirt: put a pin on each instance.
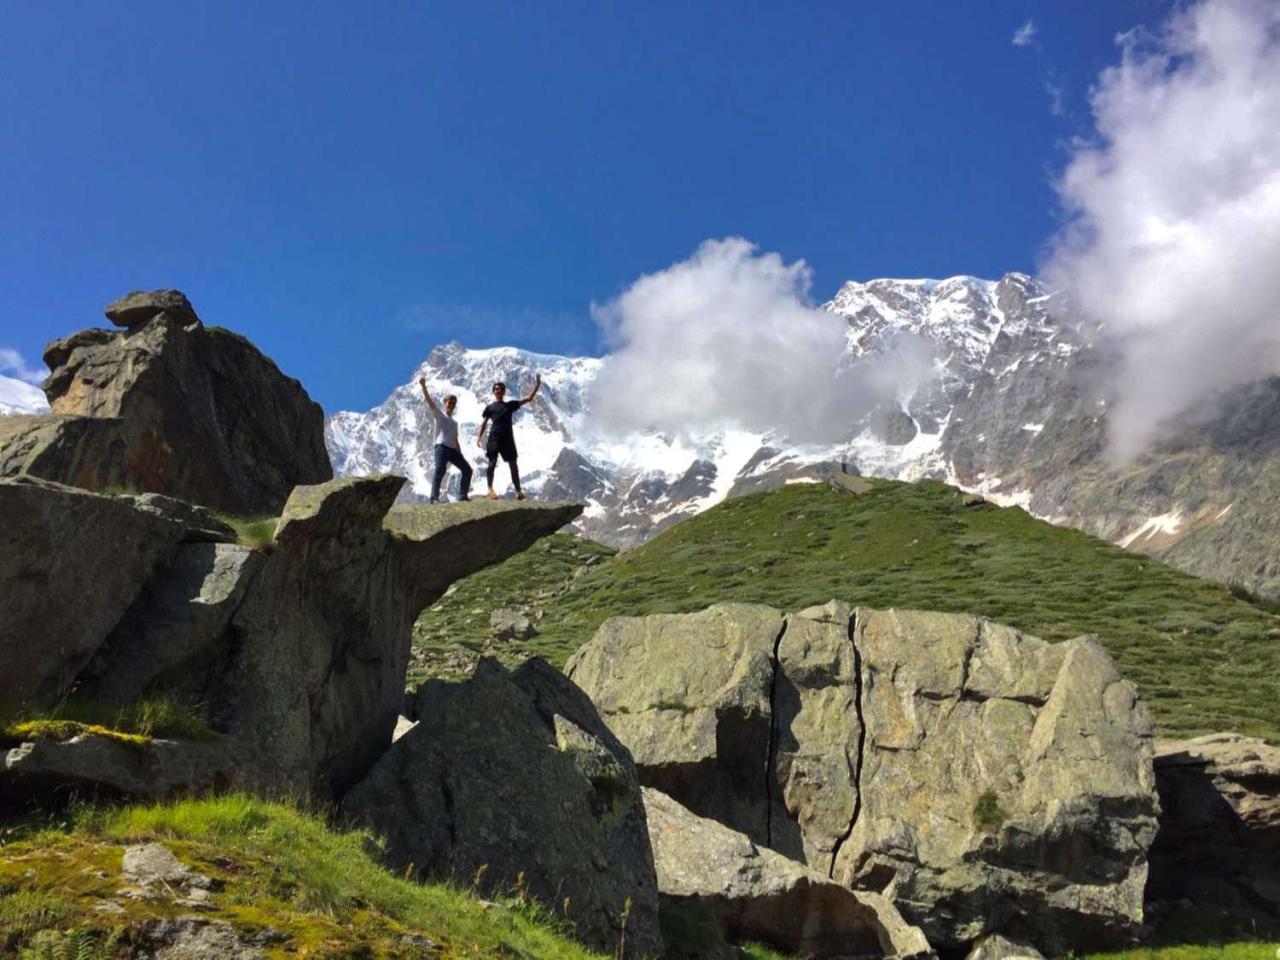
(502, 439)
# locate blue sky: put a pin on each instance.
(349, 184)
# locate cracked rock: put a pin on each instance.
(984, 780)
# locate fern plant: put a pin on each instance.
(75, 944)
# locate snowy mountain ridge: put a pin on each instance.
(1015, 409)
(638, 484)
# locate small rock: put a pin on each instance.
(511, 625)
(196, 938)
(147, 863)
(136, 308)
(403, 726)
(996, 947)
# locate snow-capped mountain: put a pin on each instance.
(1013, 411)
(18, 396)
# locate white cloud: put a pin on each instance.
(1025, 35)
(1057, 98)
(729, 337)
(11, 363)
(1174, 237)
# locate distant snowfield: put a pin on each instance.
(17, 396)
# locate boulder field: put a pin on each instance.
(982, 780)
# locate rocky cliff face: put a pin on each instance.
(1016, 410)
(170, 406)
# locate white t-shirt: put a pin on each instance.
(446, 429)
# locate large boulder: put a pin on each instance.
(170, 406)
(1006, 783)
(1219, 840)
(71, 564)
(511, 781)
(984, 780)
(690, 695)
(757, 894)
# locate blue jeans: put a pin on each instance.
(446, 455)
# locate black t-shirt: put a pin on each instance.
(499, 416)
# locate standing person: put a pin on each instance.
(446, 440)
(502, 439)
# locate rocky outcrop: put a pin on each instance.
(170, 406)
(759, 895)
(984, 780)
(296, 655)
(511, 780)
(1219, 840)
(71, 564)
(105, 765)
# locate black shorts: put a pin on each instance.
(501, 446)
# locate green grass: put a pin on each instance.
(1225, 951)
(152, 717)
(256, 532)
(273, 866)
(1203, 658)
(987, 813)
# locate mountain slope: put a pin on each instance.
(1016, 409)
(1204, 659)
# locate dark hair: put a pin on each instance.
(499, 384)
(450, 396)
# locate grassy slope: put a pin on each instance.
(277, 867)
(455, 632)
(1204, 659)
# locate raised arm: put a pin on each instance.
(537, 385)
(422, 381)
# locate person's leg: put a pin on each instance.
(491, 451)
(511, 456)
(442, 461)
(459, 461)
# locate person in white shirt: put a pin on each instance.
(448, 450)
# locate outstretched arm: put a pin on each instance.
(537, 385)
(422, 381)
